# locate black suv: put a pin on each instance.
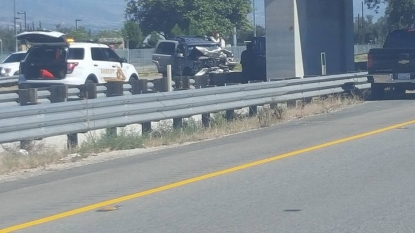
(188, 55)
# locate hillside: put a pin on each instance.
(95, 14)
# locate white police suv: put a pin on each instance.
(54, 59)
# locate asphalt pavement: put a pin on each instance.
(320, 174)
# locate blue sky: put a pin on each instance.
(357, 7)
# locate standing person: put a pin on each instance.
(217, 39)
(248, 63)
(112, 47)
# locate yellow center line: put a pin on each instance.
(198, 178)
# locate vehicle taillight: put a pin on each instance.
(71, 66)
(369, 61)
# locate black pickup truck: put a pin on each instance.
(393, 65)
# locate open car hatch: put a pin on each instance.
(51, 38)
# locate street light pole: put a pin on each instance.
(14, 20)
(76, 23)
(254, 17)
(25, 24)
(1, 47)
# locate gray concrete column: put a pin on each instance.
(298, 31)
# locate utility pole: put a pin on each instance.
(254, 17)
(363, 25)
(14, 24)
(358, 29)
(25, 23)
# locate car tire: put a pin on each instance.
(377, 91)
(89, 81)
(132, 78)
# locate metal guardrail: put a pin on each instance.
(21, 123)
(8, 81)
(11, 98)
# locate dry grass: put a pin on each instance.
(165, 134)
(37, 155)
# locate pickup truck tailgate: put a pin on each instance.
(390, 61)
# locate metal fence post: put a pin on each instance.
(169, 79)
(323, 64)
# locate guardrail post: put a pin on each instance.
(87, 91)
(186, 83)
(114, 89)
(59, 93)
(140, 87)
(201, 81)
(230, 114)
(27, 97)
(177, 122)
(158, 85)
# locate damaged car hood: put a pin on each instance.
(214, 53)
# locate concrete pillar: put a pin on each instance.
(298, 31)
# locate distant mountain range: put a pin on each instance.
(95, 14)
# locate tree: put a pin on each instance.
(247, 34)
(133, 34)
(79, 34)
(399, 13)
(176, 31)
(213, 15)
(154, 38)
(372, 32)
(109, 34)
(194, 29)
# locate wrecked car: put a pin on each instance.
(191, 56)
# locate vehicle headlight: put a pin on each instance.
(5, 71)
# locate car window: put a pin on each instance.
(97, 54)
(110, 55)
(76, 53)
(167, 48)
(46, 54)
(17, 57)
(400, 39)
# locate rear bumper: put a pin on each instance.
(387, 80)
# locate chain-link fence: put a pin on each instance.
(141, 58)
(364, 48)
(3, 56)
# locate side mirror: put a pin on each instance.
(179, 55)
(123, 60)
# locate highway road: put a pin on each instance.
(348, 171)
